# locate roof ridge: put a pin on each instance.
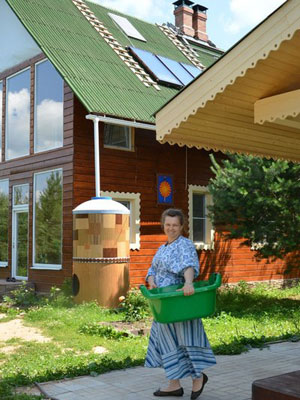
(120, 50)
(185, 49)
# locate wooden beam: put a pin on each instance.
(277, 107)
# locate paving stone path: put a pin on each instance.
(230, 379)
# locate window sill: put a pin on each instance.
(204, 246)
(107, 146)
(47, 267)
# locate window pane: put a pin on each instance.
(199, 230)
(177, 69)
(155, 66)
(1, 93)
(116, 135)
(4, 210)
(48, 107)
(127, 27)
(21, 194)
(18, 115)
(198, 205)
(22, 243)
(48, 217)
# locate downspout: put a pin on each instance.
(95, 120)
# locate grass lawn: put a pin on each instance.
(245, 317)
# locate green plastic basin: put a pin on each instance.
(167, 305)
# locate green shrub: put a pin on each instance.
(61, 297)
(23, 296)
(135, 306)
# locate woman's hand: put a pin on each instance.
(151, 282)
(188, 289)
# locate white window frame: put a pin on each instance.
(4, 264)
(39, 265)
(209, 231)
(135, 204)
(35, 113)
(131, 139)
(6, 116)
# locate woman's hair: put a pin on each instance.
(172, 212)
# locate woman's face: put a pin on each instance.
(172, 228)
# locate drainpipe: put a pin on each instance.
(95, 119)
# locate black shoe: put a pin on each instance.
(176, 393)
(194, 395)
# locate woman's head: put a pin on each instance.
(172, 221)
(172, 212)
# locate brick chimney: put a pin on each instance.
(184, 16)
(199, 22)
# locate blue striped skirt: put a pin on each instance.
(182, 349)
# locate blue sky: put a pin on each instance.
(228, 20)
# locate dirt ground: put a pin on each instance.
(16, 329)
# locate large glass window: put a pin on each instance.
(18, 115)
(1, 105)
(47, 219)
(4, 213)
(48, 133)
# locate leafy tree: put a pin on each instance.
(258, 200)
(49, 222)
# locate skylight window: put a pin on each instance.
(127, 27)
(194, 71)
(177, 69)
(165, 70)
(155, 67)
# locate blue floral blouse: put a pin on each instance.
(171, 260)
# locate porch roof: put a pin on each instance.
(249, 100)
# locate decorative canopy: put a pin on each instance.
(249, 100)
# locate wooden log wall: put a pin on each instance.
(135, 171)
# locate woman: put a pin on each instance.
(181, 348)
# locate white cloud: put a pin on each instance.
(18, 123)
(248, 13)
(49, 129)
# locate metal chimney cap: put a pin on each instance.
(101, 205)
(198, 7)
(179, 3)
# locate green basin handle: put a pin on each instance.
(217, 279)
(144, 290)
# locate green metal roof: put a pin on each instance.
(95, 73)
